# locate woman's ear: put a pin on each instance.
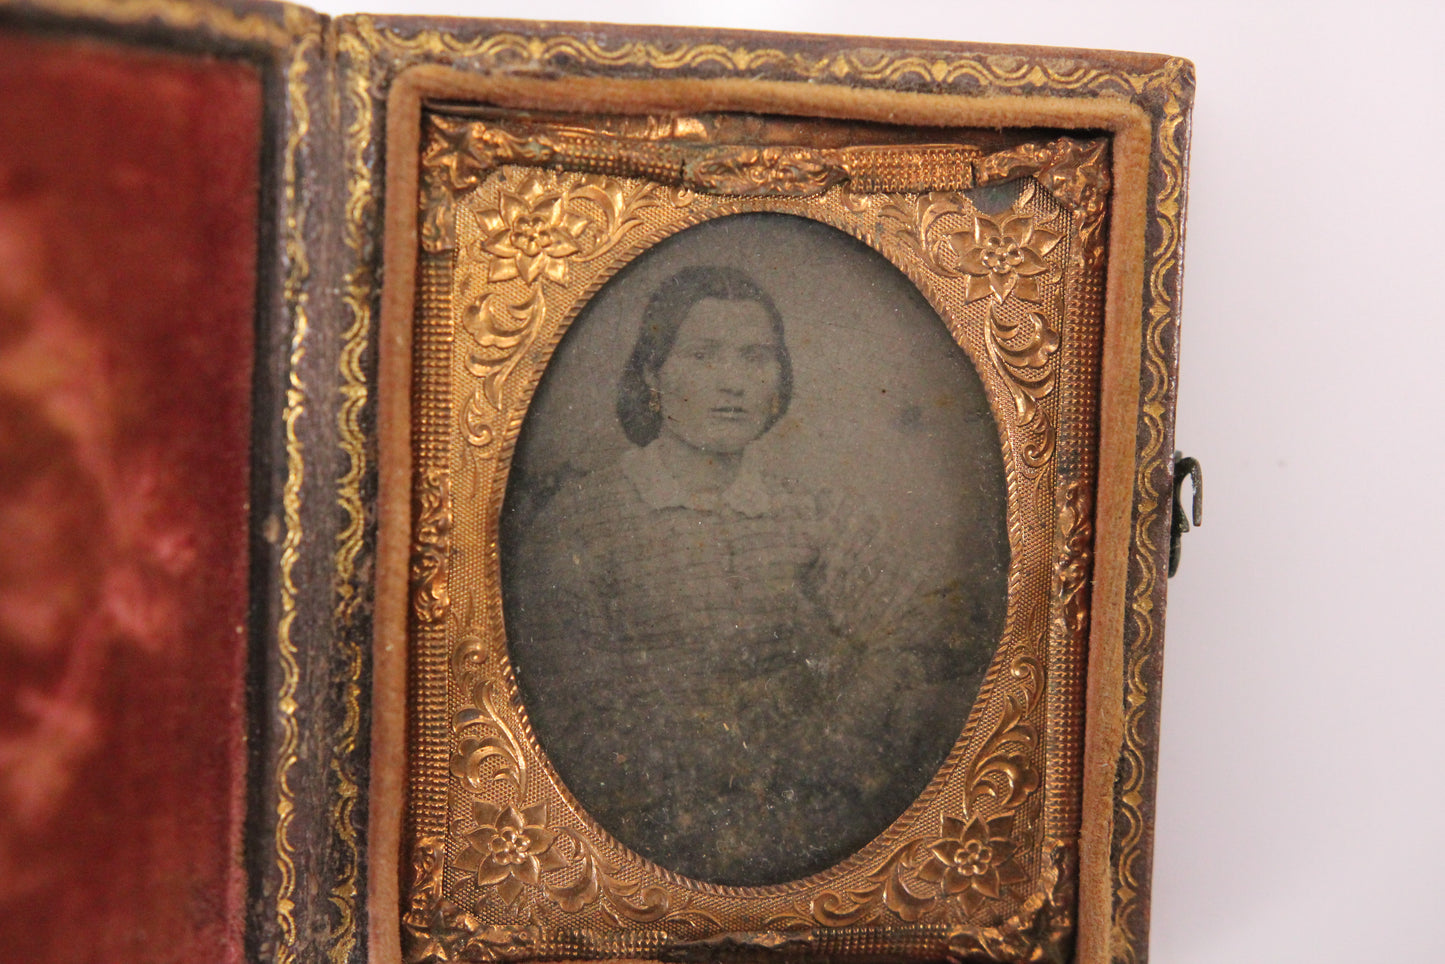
(649, 378)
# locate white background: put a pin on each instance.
(1302, 777)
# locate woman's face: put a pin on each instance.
(719, 385)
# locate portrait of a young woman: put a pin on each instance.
(746, 675)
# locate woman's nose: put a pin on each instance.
(730, 378)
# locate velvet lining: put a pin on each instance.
(128, 239)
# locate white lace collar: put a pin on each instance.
(746, 494)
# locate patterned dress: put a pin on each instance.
(731, 685)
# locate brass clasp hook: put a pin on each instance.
(1184, 468)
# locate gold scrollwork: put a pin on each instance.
(461, 151)
(494, 755)
(969, 861)
(752, 171)
(298, 272)
(1001, 259)
(1019, 351)
(1151, 487)
(196, 15)
(514, 853)
(352, 575)
(1075, 560)
(430, 599)
(1072, 171)
(1044, 921)
(501, 333)
(436, 930)
(531, 236)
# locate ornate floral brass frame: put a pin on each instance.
(1021, 293)
(486, 316)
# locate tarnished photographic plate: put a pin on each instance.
(753, 456)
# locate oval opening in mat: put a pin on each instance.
(754, 550)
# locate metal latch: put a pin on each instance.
(1184, 468)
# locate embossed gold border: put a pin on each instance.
(218, 20)
(1154, 472)
(297, 299)
(996, 766)
(1115, 111)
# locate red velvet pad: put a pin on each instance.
(128, 237)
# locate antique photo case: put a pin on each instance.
(761, 477)
(689, 495)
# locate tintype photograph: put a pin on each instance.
(754, 549)
(750, 524)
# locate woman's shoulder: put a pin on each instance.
(827, 506)
(790, 496)
(586, 500)
(569, 528)
(592, 513)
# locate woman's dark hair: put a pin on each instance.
(664, 315)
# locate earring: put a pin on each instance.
(654, 400)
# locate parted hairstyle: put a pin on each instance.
(664, 315)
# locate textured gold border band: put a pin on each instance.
(195, 16)
(298, 271)
(1153, 480)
